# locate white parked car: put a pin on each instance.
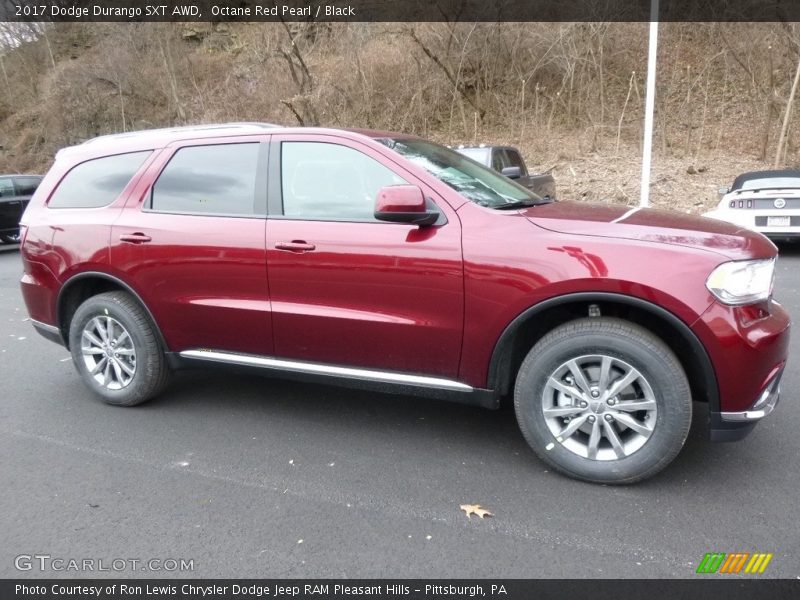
(765, 201)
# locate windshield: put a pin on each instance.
(472, 180)
(771, 183)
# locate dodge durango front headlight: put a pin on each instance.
(742, 281)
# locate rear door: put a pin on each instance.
(348, 289)
(191, 241)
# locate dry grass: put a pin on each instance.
(570, 95)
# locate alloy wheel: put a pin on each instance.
(108, 352)
(599, 407)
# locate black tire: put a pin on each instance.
(151, 371)
(624, 343)
(8, 238)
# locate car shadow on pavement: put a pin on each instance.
(465, 431)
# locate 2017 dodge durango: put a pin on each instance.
(388, 262)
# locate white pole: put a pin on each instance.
(649, 105)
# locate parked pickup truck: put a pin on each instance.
(508, 161)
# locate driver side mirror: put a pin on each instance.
(512, 172)
(722, 191)
(404, 204)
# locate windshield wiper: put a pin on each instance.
(522, 204)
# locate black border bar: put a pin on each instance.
(396, 10)
(706, 587)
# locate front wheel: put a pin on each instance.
(116, 349)
(603, 400)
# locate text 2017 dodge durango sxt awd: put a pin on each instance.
(385, 261)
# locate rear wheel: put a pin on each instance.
(603, 400)
(116, 349)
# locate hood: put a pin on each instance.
(651, 225)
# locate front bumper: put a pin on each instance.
(748, 347)
(762, 407)
(733, 426)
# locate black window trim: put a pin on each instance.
(261, 183)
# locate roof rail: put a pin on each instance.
(184, 128)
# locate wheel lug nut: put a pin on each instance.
(584, 404)
(591, 419)
(595, 393)
(612, 402)
(609, 418)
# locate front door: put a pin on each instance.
(350, 290)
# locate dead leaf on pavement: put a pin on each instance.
(475, 509)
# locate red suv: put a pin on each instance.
(385, 261)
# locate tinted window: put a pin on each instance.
(497, 160)
(26, 185)
(514, 159)
(6, 187)
(331, 182)
(218, 179)
(97, 182)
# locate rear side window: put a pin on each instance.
(218, 179)
(26, 185)
(97, 182)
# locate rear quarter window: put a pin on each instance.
(97, 182)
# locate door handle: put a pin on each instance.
(135, 238)
(295, 246)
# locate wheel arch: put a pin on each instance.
(531, 325)
(82, 286)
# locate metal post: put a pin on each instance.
(650, 101)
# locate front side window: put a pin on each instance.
(97, 182)
(331, 182)
(216, 179)
(475, 182)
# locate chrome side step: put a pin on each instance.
(250, 360)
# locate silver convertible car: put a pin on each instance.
(765, 201)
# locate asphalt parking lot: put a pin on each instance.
(254, 477)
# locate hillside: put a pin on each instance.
(571, 95)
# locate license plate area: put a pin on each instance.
(779, 221)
